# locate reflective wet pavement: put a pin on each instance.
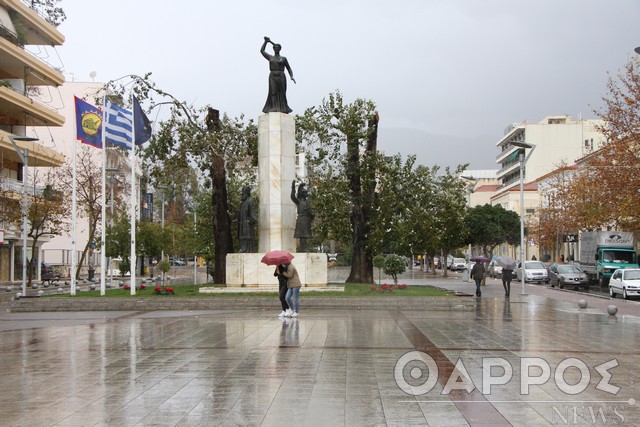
(328, 367)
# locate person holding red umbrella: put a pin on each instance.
(282, 289)
(282, 260)
(293, 285)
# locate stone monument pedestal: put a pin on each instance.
(276, 172)
(277, 218)
(247, 270)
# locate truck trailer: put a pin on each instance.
(603, 252)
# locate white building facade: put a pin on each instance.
(555, 141)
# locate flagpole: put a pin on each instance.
(132, 158)
(104, 204)
(72, 291)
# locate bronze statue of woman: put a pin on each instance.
(277, 96)
(305, 216)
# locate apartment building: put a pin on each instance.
(23, 77)
(550, 143)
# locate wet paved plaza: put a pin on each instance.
(335, 367)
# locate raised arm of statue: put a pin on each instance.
(267, 40)
(294, 199)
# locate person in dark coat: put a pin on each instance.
(477, 274)
(507, 274)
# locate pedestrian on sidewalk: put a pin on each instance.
(282, 289)
(507, 274)
(293, 285)
(477, 274)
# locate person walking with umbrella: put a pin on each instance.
(282, 289)
(281, 259)
(477, 274)
(293, 285)
(506, 281)
(508, 264)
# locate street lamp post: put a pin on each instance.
(162, 189)
(521, 154)
(195, 260)
(470, 188)
(112, 176)
(24, 204)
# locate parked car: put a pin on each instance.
(177, 261)
(534, 272)
(562, 274)
(494, 270)
(458, 264)
(626, 282)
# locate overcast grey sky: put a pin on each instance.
(439, 70)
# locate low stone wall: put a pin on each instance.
(169, 303)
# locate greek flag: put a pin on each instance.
(118, 129)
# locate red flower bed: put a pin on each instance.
(386, 288)
(159, 290)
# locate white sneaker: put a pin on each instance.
(284, 313)
(289, 312)
(295, 314)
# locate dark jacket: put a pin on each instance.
(279, 273)
(477, 272)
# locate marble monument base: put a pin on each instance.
(247, 270)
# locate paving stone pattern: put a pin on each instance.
(332, 366)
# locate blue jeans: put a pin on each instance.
(478, 283)
(296, 296)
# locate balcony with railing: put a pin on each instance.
(13, 189)
(37, 23)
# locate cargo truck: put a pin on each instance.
(603, 252)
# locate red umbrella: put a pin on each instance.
(277, 257)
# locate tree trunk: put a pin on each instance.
(445, 263)
(221, 221)
(92, 234)
(363, 199)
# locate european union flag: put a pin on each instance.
(141, 123)
(88, 123)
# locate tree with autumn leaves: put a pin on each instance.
(556, 217)
(612, 172)
(46, 212)
(601, 190)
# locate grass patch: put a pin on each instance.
(350, 290)
(364, 290)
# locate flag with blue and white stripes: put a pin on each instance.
(118, 129)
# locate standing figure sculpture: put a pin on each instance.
(305, 216)
(277, 96)
(246, 222)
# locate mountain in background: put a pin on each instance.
(442, 150)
